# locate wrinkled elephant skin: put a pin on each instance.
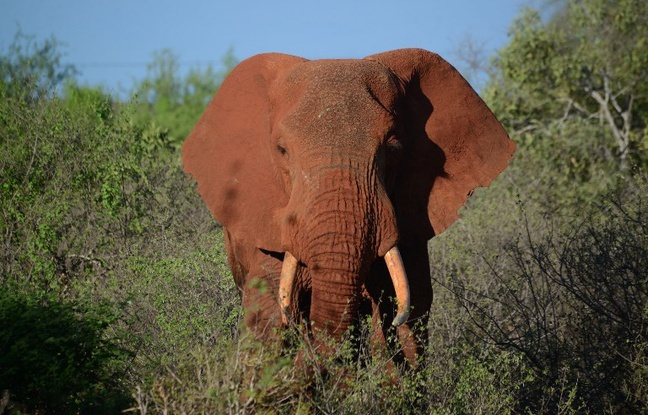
(330, 176)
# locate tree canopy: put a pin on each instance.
(169, 103)
(584, 68)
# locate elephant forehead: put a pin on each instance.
(335, 74)
(338, 96)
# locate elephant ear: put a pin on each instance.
(228, 153)
(452, 142)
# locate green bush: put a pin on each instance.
(95, 209)
(246, 377)
(567, 295)
(58, 357)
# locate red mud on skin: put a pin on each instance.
(451, 143)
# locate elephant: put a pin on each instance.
(330, 176)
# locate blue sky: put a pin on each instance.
(111, 41)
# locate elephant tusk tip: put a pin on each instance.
(400, 319)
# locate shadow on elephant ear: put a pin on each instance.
(422, 163)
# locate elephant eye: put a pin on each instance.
(281, 150)
(393, 144)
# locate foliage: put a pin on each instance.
(71, 180)
(567, 295)
(30, 67)
(171, 103)
(586, 65)
(55, 357)
(251, 378)
(94, 209)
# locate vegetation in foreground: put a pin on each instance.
(116, 295)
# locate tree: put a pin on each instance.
(169, 103)
(94, 214)
(33, 68)
(565, 286)
(586, 64)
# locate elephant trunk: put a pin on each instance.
(336, 290)
(396, 272)
(339, 252)
(346, 230)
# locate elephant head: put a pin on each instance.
(328, 166)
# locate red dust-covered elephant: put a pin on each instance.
(329, 178)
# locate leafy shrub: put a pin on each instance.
(245, 377)
(569, 299)
(57, 357)
(95, 209)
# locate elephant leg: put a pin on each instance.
(414, 334)
(378, 342)
(256, 274)
(238, 270)
(260, 295)
(381, 291)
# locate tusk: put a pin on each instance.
(401, 286)
(286, 282)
